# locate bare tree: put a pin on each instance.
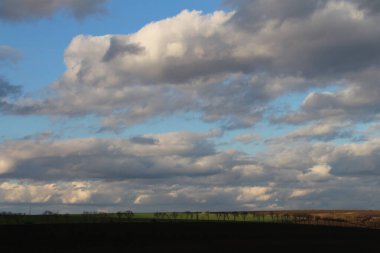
(174, 215)
(235, 215)
(119, 215)
(207, 214)
(129, 214)
(254, 217)
(244, 215)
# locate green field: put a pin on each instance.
(125, 217)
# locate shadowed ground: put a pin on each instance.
(186, 237)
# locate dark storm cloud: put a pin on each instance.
(22, 10)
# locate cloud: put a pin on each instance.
(247, 138)
(213, 65)
(322, 130)
(5, 165)
(150, 156)
(7, 89)
(9, 54)
(120, 47)
(23, 10)
(372, 6)
(252, 14)
(183, 171)
(254, 193)
(297, 193)
(316, 173)
(356, 102)
(358, 159)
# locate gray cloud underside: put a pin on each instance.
(9, 54)
(184, 170)
(22, 10)
(217, 66)
(7, 89)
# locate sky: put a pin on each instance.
(111, 105)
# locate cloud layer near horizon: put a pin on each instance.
(182, 169)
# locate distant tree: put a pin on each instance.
(207, 214)
(277, 216)
(174, 215)
(156, 215)
(317, 218)
(226, 216)
(129, 214)
(244, 215)
(254, 217)
(271, 216)
(48, 212)
(119, 215)
(235, 215)
(285, 217)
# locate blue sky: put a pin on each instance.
(179, 105)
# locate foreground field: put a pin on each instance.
(185, 237)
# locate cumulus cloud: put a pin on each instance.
(359, 159)
(5, 165)
(254, 193)
(357, 102)
(316, 173)
(214, 65)
(20, 10)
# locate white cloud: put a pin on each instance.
(296, 193)
(142, 199)
(6, 165)
(248, 194)
(247, 138)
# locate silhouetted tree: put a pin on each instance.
(207, 214)
(235, 215)
(129, 214)
(119, 215)
(174, 215)
(254, 217)
(244, 215)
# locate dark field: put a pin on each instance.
(186, 236)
